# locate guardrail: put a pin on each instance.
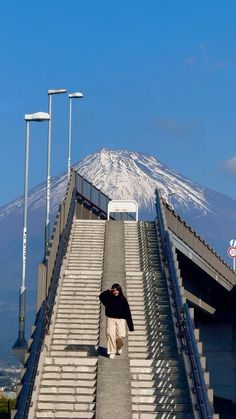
(197, 375)
(66, 211)
(195, 242)
(96, 200)
(24, 397)
(184, 321)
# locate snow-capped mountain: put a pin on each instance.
(131, 175)
(121, 175)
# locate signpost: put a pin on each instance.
(232, 251)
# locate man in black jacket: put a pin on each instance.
(118, 313)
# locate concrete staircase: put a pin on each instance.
(146, 382)
(66, 382)
(158, 383)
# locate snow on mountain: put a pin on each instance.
(121, 175)
(131, 175)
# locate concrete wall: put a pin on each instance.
(219, 346)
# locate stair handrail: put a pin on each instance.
(195, 363)
(23, 402)
(185, 322)
(42, 323)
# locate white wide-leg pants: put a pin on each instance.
(115, 332)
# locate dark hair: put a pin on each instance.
(118, 287)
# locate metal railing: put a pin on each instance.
(197, 374)
(96, 200)
(199, 246)
(24, 397)
(184, 321)
(43, 321)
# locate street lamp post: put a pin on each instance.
(20, 347)
(76, 95)
(47, 221)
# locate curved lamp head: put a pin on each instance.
(38, 116)
(56, 91)
(76, 95)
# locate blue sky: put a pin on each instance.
(157, 76)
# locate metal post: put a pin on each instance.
(76, 95)
(21, 341)
(69, 136)
(47, 220)
(20, 347)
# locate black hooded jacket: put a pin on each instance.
(117, 307)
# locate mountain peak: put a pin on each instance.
(126, 174)
(123, 174)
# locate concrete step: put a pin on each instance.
(79, 287)
(78, 338)
(68, 383)
(86, 276)
(76, 317)
(63, 351)
(75, 323)
(154, 363)
(147, 291)
(64, 415)
(66, 398)
(84, 331)
(75, 292)
(157, 370)
(82, 272)
(87, 243)
(77, 298)
(78, 313)
(86, 256)
(74, 280)
(90, 265)
(70, 368)
(73, 304)
(146, 356)
(69, 407)
(68, 390)
(162, 375)
(75, 328)
(150, 347)
(68, 376)
(161, 415)
(170, 390)
(160, 408)
(160, 400)
(70, 361)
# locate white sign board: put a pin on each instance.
(123, 206)
(232, 243)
